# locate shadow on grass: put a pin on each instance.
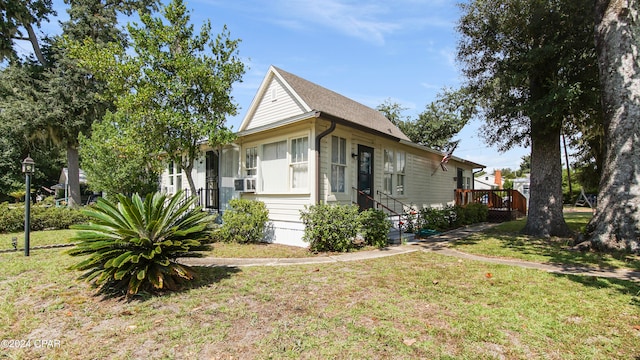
(205, 276)
(553, 250)
(624, 287)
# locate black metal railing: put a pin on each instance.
(207, 198)
(391, 213)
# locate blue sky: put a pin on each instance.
(369, 51)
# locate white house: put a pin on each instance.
(301, 144)
(488, 182)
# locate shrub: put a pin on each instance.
(374, 227)
(435, 219)
(330, 227)
(132, 245)
(42, 217)
(244, 222)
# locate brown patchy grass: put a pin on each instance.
(417, 305)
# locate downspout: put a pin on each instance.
(318, 138)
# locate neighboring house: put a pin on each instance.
(488, 182)
(301, 144)
(63, 186)
(522, 184)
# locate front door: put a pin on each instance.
(211, 184)
(365, 177)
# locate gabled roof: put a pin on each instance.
(319, 99)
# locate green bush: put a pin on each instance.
(435, 219)
(374, 227)
(330, 227)
(42, 217)
(244, 222)
(132, 245)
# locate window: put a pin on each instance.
(338, 163)
(175, 178)
(299, 163)
(252, 161)
(274, 151)
(400, 166)
(274, 167)
(394, 172)
(388, 171)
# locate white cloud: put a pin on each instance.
(364, 21)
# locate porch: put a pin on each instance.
(504, 205)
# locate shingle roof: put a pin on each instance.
(332, 103)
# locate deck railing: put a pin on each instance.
(506, 200)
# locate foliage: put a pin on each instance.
(42, 218)
(330, 227)
(21, 86)
(435, 219)
(471, 214)
(244, 222)
(451, 216)
(532, 68)
(374, 227)
(115, 162)
(18, 21)
(438, 124)
(132, 245)
(172, 88)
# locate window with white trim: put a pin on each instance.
(401, 162)
(299, 163)
(388, 171)
(394, 172)
(251, 161)
(338, 164)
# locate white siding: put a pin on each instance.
(282, 207)
(277, 103)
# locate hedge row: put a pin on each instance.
(42, 217)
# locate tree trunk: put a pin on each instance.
(545, 216)
(616, 224)
(188, 169)
(73, 177)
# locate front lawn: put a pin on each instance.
(416, 305)
(505, 241)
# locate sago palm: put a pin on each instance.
(132, 245)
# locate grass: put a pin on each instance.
(36, 238)
(417, 305)
(506, 241)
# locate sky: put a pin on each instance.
(369, 51)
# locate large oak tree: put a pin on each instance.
(616, 224)
(531, 65)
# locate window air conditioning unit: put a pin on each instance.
(245, 184)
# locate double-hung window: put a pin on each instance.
(388, 171)
(251, 161)
(300, 163)
(394, 172)
(401, 162)
(338, 164)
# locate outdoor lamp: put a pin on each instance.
(28, 168)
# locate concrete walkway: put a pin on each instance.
(437, 244)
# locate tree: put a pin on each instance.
(22, 83)
(530, 65)
(19, 16)
(115, 163)
(438, 124)
(616, 224)
(170, 87)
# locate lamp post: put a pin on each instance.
(28, 168)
